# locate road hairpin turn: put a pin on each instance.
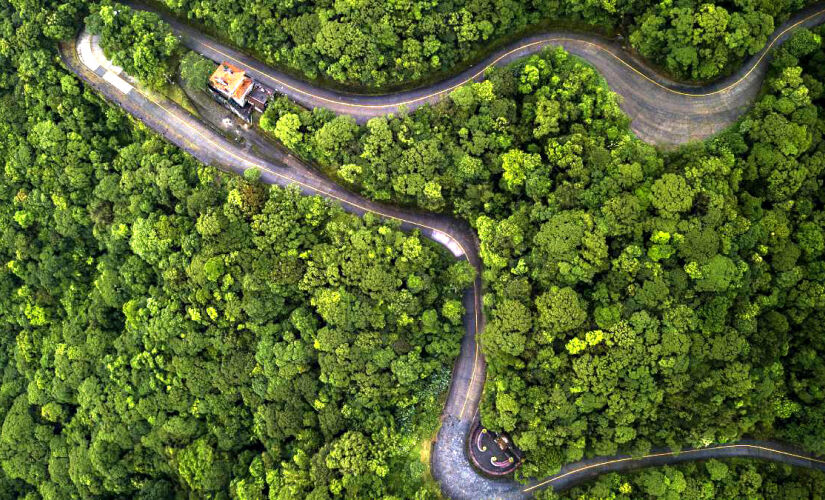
(662, 111)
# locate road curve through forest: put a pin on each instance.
(450, 465)
(662, 111)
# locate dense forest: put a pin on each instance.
(377, 42)
(171, 331)
(635, 298)
(709, 480)
(138, 41)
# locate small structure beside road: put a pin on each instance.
(231, 86)
(259, 97)
(491, 453)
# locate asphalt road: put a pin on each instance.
(450, 465)
(662, 111)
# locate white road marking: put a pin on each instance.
(101, 57)
(87, 56)
(91, 55)
(448, 242)
(118, 82)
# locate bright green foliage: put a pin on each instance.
(170, 331)
(635, 298)
(671, 194)
(700, 40)
(710, 480)
(136, 40)
(559, 311)
(378, 43)
(287, 130)
(196, 70)
(517, 165)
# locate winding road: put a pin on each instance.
(662, 111)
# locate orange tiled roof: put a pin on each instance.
(243, 89)
(228, 78)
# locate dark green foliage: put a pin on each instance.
(170, 331)
(636, 298)
(196, 70)
(709, 480)
(173, 332)
(376, 42)
(136, 40)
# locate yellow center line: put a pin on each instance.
(471, 78)
(667, 454)
(476, 304)
(596, 46)
(475, 356)
(765, 51)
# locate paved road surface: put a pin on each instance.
(450, 465)
(662, 111)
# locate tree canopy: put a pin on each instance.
(139, 41)
(703, 481)
(635, 297)
(171, 331)
(376, 43)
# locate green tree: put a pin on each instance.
(196, 70)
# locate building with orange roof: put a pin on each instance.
(231, 82)
(230, 86)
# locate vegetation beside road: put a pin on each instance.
(138, 41)
(708, 480)
(636, 298)
(170, 330)
(375, 43)
(173, 330)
